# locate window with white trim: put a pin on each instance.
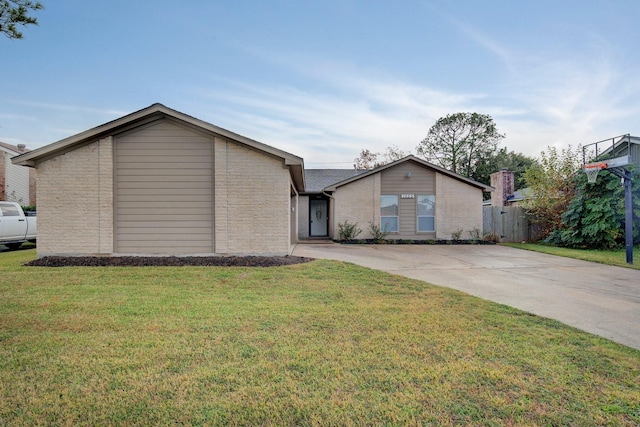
(426, 205)
(389, 213)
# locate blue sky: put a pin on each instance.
(325, 79)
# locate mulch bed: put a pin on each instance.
(171, 261)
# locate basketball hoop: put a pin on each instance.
(592, 169)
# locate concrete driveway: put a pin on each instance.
(599, 299)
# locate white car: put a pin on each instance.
(16, 227)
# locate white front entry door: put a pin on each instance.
(318, 217)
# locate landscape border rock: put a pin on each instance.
(167, 261)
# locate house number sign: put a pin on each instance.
(408, 196)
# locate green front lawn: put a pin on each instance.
(323, 343)
(616, 257)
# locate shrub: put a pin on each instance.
(491, 237)
(377, 234)
(476, 234)
(457, 235)
(348, 231)
(596, 215)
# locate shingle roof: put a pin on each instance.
(520, 195)
(318, 179)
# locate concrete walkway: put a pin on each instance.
(599, 299)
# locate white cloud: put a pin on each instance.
(329, 110)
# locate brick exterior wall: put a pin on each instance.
(252, 201)
(357, 202)
(293, 217)
(458, 206)
(33, 200)
(76, 193)
(504, 183)
(303, 217)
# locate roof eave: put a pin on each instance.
(30, 158)
(410, 157)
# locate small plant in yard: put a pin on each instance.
(457, 235)
(491, 237)
(377, 234)
(476, 234)
(348, 231)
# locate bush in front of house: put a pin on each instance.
(378, 235)
(348, 231)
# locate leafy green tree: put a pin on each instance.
(515, 162)
(16, 12)
(459, 142)
(595, 217)
(552, 186)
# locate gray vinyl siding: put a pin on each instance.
(16, 182)
(164, 190)
(394, 181)
(635, 154)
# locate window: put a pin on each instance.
(9, 210)
(389, 213)
(426, 212)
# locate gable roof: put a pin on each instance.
(411, 158)
(317, 180)
(152, 113)
(13, 149)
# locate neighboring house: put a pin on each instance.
(17, 184)
(158, 181)
(410, 198)
(504, 193)
(626, 145)
(634, 146)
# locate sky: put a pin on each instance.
(325, 79)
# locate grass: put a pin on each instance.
(323, 343)
(613, 257)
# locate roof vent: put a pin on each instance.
(22, 147)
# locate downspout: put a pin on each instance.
(331, 205)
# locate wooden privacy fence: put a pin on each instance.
(510, 223)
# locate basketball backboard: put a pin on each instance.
(616, 152)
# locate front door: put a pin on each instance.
(318, 218)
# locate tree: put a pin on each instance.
(369, 160)
(15, 12)
(595, 217)
(460, 141)
(391, 154)
(503, 159)
(552, 186)
(366, 160)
